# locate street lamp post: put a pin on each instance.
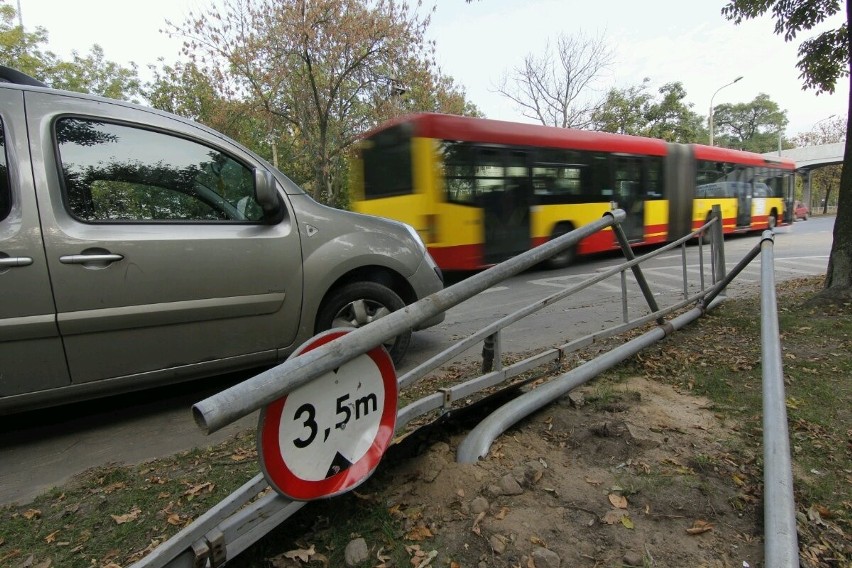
(822, 120)
(711, 104)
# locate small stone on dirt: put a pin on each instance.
(498, 544)
(510, 486)
(356, 552)
(545, 558)
(632, 559)
(479, 505)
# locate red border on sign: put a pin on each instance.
(283, 480)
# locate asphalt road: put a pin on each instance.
(42, 449)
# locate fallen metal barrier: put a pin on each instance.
(244, 398)
(781, 544)
(252, 511)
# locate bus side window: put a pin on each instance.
(653, 176)
(459, 172)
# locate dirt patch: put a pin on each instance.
(635, 476)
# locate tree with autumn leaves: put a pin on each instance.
(823, 60)
(298, 81)
(320, 73)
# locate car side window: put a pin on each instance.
(114, 172)
(5, 187)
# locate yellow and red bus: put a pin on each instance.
(480, 191)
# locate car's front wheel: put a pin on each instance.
(360, 303)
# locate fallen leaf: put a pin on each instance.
(242, 454)
(824, 512)
(199, 488)
(537, 541)
(114, 486)
(613, 516)
(627, 521)
(303, 554)
(425, 559)
(382, 557)
(51, 537)
(475, 527)
(173, 519)
(30, 514)
(502, 513)
(699, 527)
(420, 532)
(592, 481)
(131, 516)
(619, 501)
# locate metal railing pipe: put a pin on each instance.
(637, 271)
(781, 546)
(717, 251)
(479, 440)
(242, 399)
(474, 338)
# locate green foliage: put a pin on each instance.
(670, 118)
(92, 73)
(635, 111)
(314, 76)
(21, 49)
(623, 110)
(822, 59)
(752, 126)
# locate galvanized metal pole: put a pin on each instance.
(242, 399)
(637, 271)
(781, 545)
(479, 440)
(717, 250)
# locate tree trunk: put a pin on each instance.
(838, 278)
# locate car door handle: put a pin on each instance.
(15, 261)
(90, 258)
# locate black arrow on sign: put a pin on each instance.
(338, 464)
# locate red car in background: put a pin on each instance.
(800, 211)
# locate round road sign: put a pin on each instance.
(327, 436)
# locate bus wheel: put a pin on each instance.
(567, 256)
(360, 303)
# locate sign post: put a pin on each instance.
(327, 437)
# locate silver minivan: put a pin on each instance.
(138, 248)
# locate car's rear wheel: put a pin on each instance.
(360, 303)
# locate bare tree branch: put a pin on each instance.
(557, 89)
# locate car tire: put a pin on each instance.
(360, 303)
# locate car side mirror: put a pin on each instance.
(267, 197)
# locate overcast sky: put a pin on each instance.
(478, 42)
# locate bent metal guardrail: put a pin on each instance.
(781, 544)
(250, 512)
